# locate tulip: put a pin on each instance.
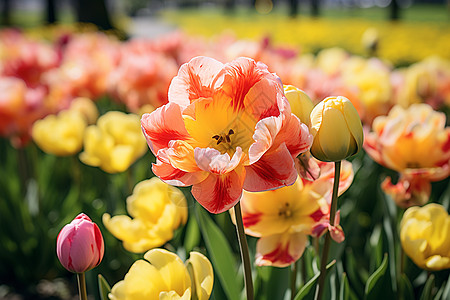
(301, 104)
(337, 129)
(425, 236)
(61, 134)
(79, 245)
(114, 143)
(415, 143)
(162, 275)
(157, 208)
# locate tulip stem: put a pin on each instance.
(82, 286)
(326, 246)
(294, 279)
(244, 251)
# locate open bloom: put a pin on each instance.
(114, 143)
(227, 127)
(283, 218)
(425, 236)
(162, 275)
(60, 134)
(79, 245)
(415, 143)
(337, 129)
(157, 210)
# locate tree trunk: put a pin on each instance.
(315, 8)
(395, 11)
(95, 12)
(50, 11)
(6, 12)
(293, 11)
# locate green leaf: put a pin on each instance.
(306, 289)
(427, 293)
(221, 255)
(192, 237)
(103, 287)
(406, 288)
(345, 292)
(373, 279)
(446, 293)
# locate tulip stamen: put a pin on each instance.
(285, 211)
(223, 137)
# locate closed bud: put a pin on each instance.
(337, 129)
(79, 245)
(301, 104)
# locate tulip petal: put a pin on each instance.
(144, 281)
(202, 275)
(196, 79)
(265, 132)
(274, 169)
(263, 99)
(296, 136)
(240, 76)
(162, 126)
(171, 269)
(218, 193)
(173, 176)
(172, 295)
(280, 250)
(211, 160)
(353, 124)
(334, 136)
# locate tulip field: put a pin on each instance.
(308, 159)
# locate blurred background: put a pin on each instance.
(399, 50)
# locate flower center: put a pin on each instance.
(223, 137)
(285, 211)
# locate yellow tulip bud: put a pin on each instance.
(301, 104)
(337, 129)
(425, 236)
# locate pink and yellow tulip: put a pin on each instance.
(227, 127)
(415, 143)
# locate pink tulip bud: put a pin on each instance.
(79, 245)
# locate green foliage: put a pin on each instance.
(223, 260)
(103, 287)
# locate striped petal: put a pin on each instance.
(162, 126)
(196, 79)
(173, 176)
(274, 169)
(218, 193)
(280, 250)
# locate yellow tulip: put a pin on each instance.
(301, 104)
(202, 275)
(60, 134)
(337, 129)
(162, 275)
(425, 236)
(114, 143)
(157, 210)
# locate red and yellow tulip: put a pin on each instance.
(227, 127)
